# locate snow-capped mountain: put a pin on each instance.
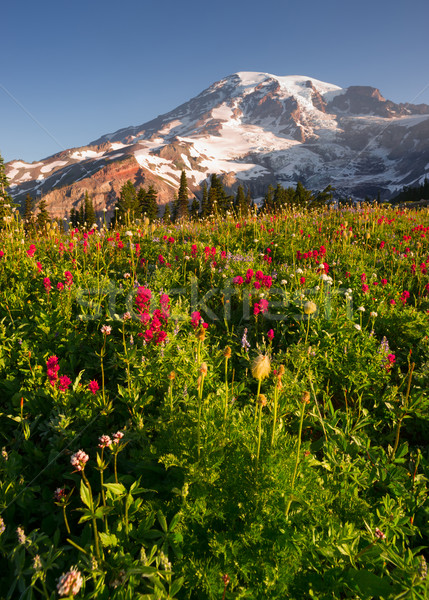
(251, 128)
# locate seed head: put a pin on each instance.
(203, 369)
(306, 397)
(309, 308)
(262, 400)
(172, 376)
(201, 334)
(227, 352)
(261, 367)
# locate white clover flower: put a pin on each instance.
(317, 288)
(340, 283)
(283, 282)
(321, 266)
(349, 291)
(299, 271)
(324, 277)
(361, 308)
(358, 327)
(373, 314)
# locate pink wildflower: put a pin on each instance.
(365, 288)
(106, 330)
(47, 284)
(117, 437)
(105, 441)
(31, 250)
(93, 387)
(64, 383)
(79, 460)
(270, 335)
(69, 583)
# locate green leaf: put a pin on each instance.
(85, 494)
(370, 584)
(176, 586)
(108, 539)
(162, 521)
(117, 489)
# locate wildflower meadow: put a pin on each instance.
(225, 409)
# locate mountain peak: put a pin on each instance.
(251, 128)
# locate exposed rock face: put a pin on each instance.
(251, 129)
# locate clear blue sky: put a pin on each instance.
(71, 72)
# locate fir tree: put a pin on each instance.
(28, 216)
(127, 208)
(182, 202)
(6, 202)
(90, 218)
(81, 214)
(268, 203)
(152, 204)
(205, 209)
(167, 214)
(302, 196)
(43, 217)
(240, 208)
(194, 210)
(141, 200)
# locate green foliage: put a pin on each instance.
(311, 482)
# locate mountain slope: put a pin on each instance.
(252, 128)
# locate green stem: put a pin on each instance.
(398, 429)
(65, 520)
(259, 436)
(308, 329)
(200, 402)
(226, 392)
(297, 458)
(257, 397)
(276, 394)
(94, 520)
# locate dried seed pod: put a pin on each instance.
(261, 367)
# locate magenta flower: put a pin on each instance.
(391, 358)
(64, 383)
(47, 284)
(79, 460)
(31, 250)
(270, 335)
(365, 288)
(93, 386)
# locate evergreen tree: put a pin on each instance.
(152, 203)
(167, 214)
(28, 216)
(219, 202)
(81, 215)
(240, 206)
(324, 196)
(249, 201)
(182, 203)
(90, 218)
(6, 202)
(74, 217)
(302, 196)
(43, 217)
(205, 202)
(127, 207)
(194, 210)
(141, 200)
(268, 203)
